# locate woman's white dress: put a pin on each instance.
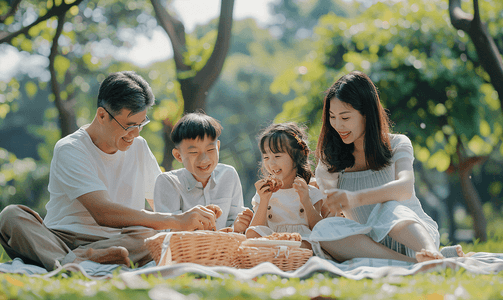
(375, 220)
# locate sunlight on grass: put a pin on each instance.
(448, 284)
(445, 284)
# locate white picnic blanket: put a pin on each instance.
(480, 263)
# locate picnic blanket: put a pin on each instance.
(480, 263)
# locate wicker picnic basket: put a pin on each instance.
(209, 248)
(286, 258)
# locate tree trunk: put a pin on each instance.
(489, 56)
(449, 202)
(194, 86)
(67, 118)
(167, 161)
(194, 98)
(472, 198)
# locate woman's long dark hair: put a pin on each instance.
(357, 90)
(287, 138)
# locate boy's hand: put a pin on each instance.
(243, 220)
(215, 209)
(196, 218)
(300, 186)
(263, 190)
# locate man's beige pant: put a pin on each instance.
(23, 235)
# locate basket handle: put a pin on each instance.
(283, 249)
(166, 258)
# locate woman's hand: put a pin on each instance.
(340, 200)
(263, 190)
(300, 186)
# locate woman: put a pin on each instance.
(367, 175)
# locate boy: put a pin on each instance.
(202, 180)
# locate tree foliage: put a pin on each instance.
(429, 74)
(295, 20)
(488, 53)
(429, 79)
(87, 51)
(196, 69)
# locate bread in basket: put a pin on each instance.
(280, 249)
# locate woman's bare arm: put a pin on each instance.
(399, 189)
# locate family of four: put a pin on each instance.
(360, 201)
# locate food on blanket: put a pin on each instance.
(154, 246)
(284, 236)
(216, 209)
(274, 183)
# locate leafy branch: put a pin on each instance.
(12, 11)
(59, 10)
(488, 53)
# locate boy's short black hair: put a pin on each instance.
(195, 125)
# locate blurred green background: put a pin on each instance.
(273, 66)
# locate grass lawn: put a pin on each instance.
(447, 284)
(436, 285)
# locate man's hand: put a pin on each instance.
(196, 218)
(243, 220)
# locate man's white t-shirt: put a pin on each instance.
(79, 167)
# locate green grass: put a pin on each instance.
(435, 285)
(445, 284)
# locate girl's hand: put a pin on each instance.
(243, 220)
(340, 200)
(314, 183)
(263, 190)
(300, 186)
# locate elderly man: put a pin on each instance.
(99, 179)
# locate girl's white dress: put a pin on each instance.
(375, 220)
(285, 213)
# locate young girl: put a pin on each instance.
(367, 174)
(296, 206)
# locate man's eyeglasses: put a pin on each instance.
(139, 126)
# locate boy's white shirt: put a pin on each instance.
(177, 191)
(79, 167)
